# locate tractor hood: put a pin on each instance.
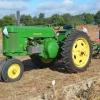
(33, 31)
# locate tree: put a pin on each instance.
(35, 20)
(57, 19)
(97, 17)
(41, 19)
(1, 23)
(67, 18)
(61, 20)
(9, 20)
(41, 15)
(55, 16)
(26, 20)
(79, 19)
(89, 18)
(22, 19)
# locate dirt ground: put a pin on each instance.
(36, 82)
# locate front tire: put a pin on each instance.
(12, 70)
(76, 51)
(2, 62)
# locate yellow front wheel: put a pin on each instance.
(12, 70)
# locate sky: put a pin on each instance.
(48, 7)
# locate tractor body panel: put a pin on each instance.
(28, 40)
(62, 34)
(32, 31)
(23, 40)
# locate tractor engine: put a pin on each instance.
(36, 40)
(46, 48)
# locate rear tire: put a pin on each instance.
(76, 51)
(12, 70)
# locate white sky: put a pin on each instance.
(48, 7)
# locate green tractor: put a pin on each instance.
(44, 46)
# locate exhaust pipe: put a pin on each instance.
(18, 18)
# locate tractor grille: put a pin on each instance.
(13, 41)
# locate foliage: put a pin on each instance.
(97, 17)
(41, 19)
(1, 23)
(79, 19)
(65, 19)
(26, 20)
(89, 18)
(9, 20)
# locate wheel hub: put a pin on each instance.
(13, 71)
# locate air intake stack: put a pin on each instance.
(18, 18)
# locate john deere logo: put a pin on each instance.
(37, 33)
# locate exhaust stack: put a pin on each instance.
(18, 18)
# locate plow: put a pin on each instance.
(96, 48)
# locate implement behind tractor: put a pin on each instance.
(96, 48)
(43, 45)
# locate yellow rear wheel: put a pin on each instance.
(42, 62)
(80, 52)
(76, 51)
(46, 60)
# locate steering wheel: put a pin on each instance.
(56, 23)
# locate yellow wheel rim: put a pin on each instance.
(14, 71)
(80, 52)
(46, 60)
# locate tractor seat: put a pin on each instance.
(67, 27)
(96, 40)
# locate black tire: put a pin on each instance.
(70, 57)
(39, 63)
(2, 62)
(12, 70)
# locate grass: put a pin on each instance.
(93, 93)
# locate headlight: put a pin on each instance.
(5, 32)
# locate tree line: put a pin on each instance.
(65, 19)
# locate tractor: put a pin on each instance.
(44, 46)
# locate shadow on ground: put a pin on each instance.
(29, 65)
(96, 56)
(58, 66)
